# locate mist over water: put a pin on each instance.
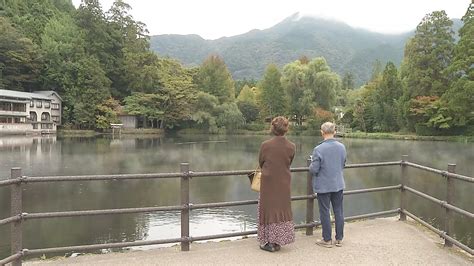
(47, 156)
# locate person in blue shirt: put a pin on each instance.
(327, 165)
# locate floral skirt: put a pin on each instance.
(282, 233)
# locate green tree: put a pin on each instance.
(62, 44)
(459, 98)
(30, 17)
(203, 111)
(89, 90)
(325, 88)
(428, 54)
(149, 106)
(387, 93)
(19, 59)
(247, 95)
(377, 69)
(273, 98)
(214, 78)
(239, 84)
(131, 42)
(107, 113)
(249, 110)
(427, 57)
(293, 80)
(348, 82)
(229, 116)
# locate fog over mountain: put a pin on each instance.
(347, 49)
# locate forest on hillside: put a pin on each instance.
(100, 62)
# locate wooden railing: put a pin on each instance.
(17, 182)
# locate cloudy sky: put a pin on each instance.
(213, 19)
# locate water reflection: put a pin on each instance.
(40, 156)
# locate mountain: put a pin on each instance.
(346, 49)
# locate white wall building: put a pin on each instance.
(25, 112)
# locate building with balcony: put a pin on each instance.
(26, 112)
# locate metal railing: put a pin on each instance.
(18, 217)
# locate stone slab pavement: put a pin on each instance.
(383, 241)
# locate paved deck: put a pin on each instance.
(372, 242)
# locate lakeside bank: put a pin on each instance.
(192, 131)
(356, 135)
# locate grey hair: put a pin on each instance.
(328, 128)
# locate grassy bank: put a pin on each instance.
(125, 131)
(359, 135)
(76, 133)
(399, 136)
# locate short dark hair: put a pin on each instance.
(279, 126)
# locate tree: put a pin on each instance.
(131, 41)
(104, 41)
(348, 81)
(293, 80)
(428, 54)
(148, 106)
(247, 95)
(377, 69)
(30, 17)
(19, 59)
(214, 78)
(272, 92)
(427, 57)
(322, 83)
(90, 88)
(325, 87)
(239, 84)
(387, 93)
(107, 113)
(62, 44)
(459, 98)
(310, 85)
(229, 116)
(203, 111)
(249, 110)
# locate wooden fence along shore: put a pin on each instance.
(17, 182)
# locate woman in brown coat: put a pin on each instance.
(275, 219)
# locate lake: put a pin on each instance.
(44, 156)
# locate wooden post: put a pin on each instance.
(185, 203)
(309, 202)
(448, 223)
(403, 182)
(16, 210)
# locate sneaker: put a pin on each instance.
(322, 243)
(338, 243)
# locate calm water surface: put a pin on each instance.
(41, 156)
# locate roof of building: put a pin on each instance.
(49, 93)
(23, 95)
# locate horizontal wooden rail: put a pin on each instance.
(11, 258)
(39, 179)
(440, 233)
(43, 215)
(10, 220)
(440, 172)
(177, 240)
(442, 203)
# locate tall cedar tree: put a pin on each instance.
(273, 98)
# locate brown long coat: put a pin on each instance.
(275, 158)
